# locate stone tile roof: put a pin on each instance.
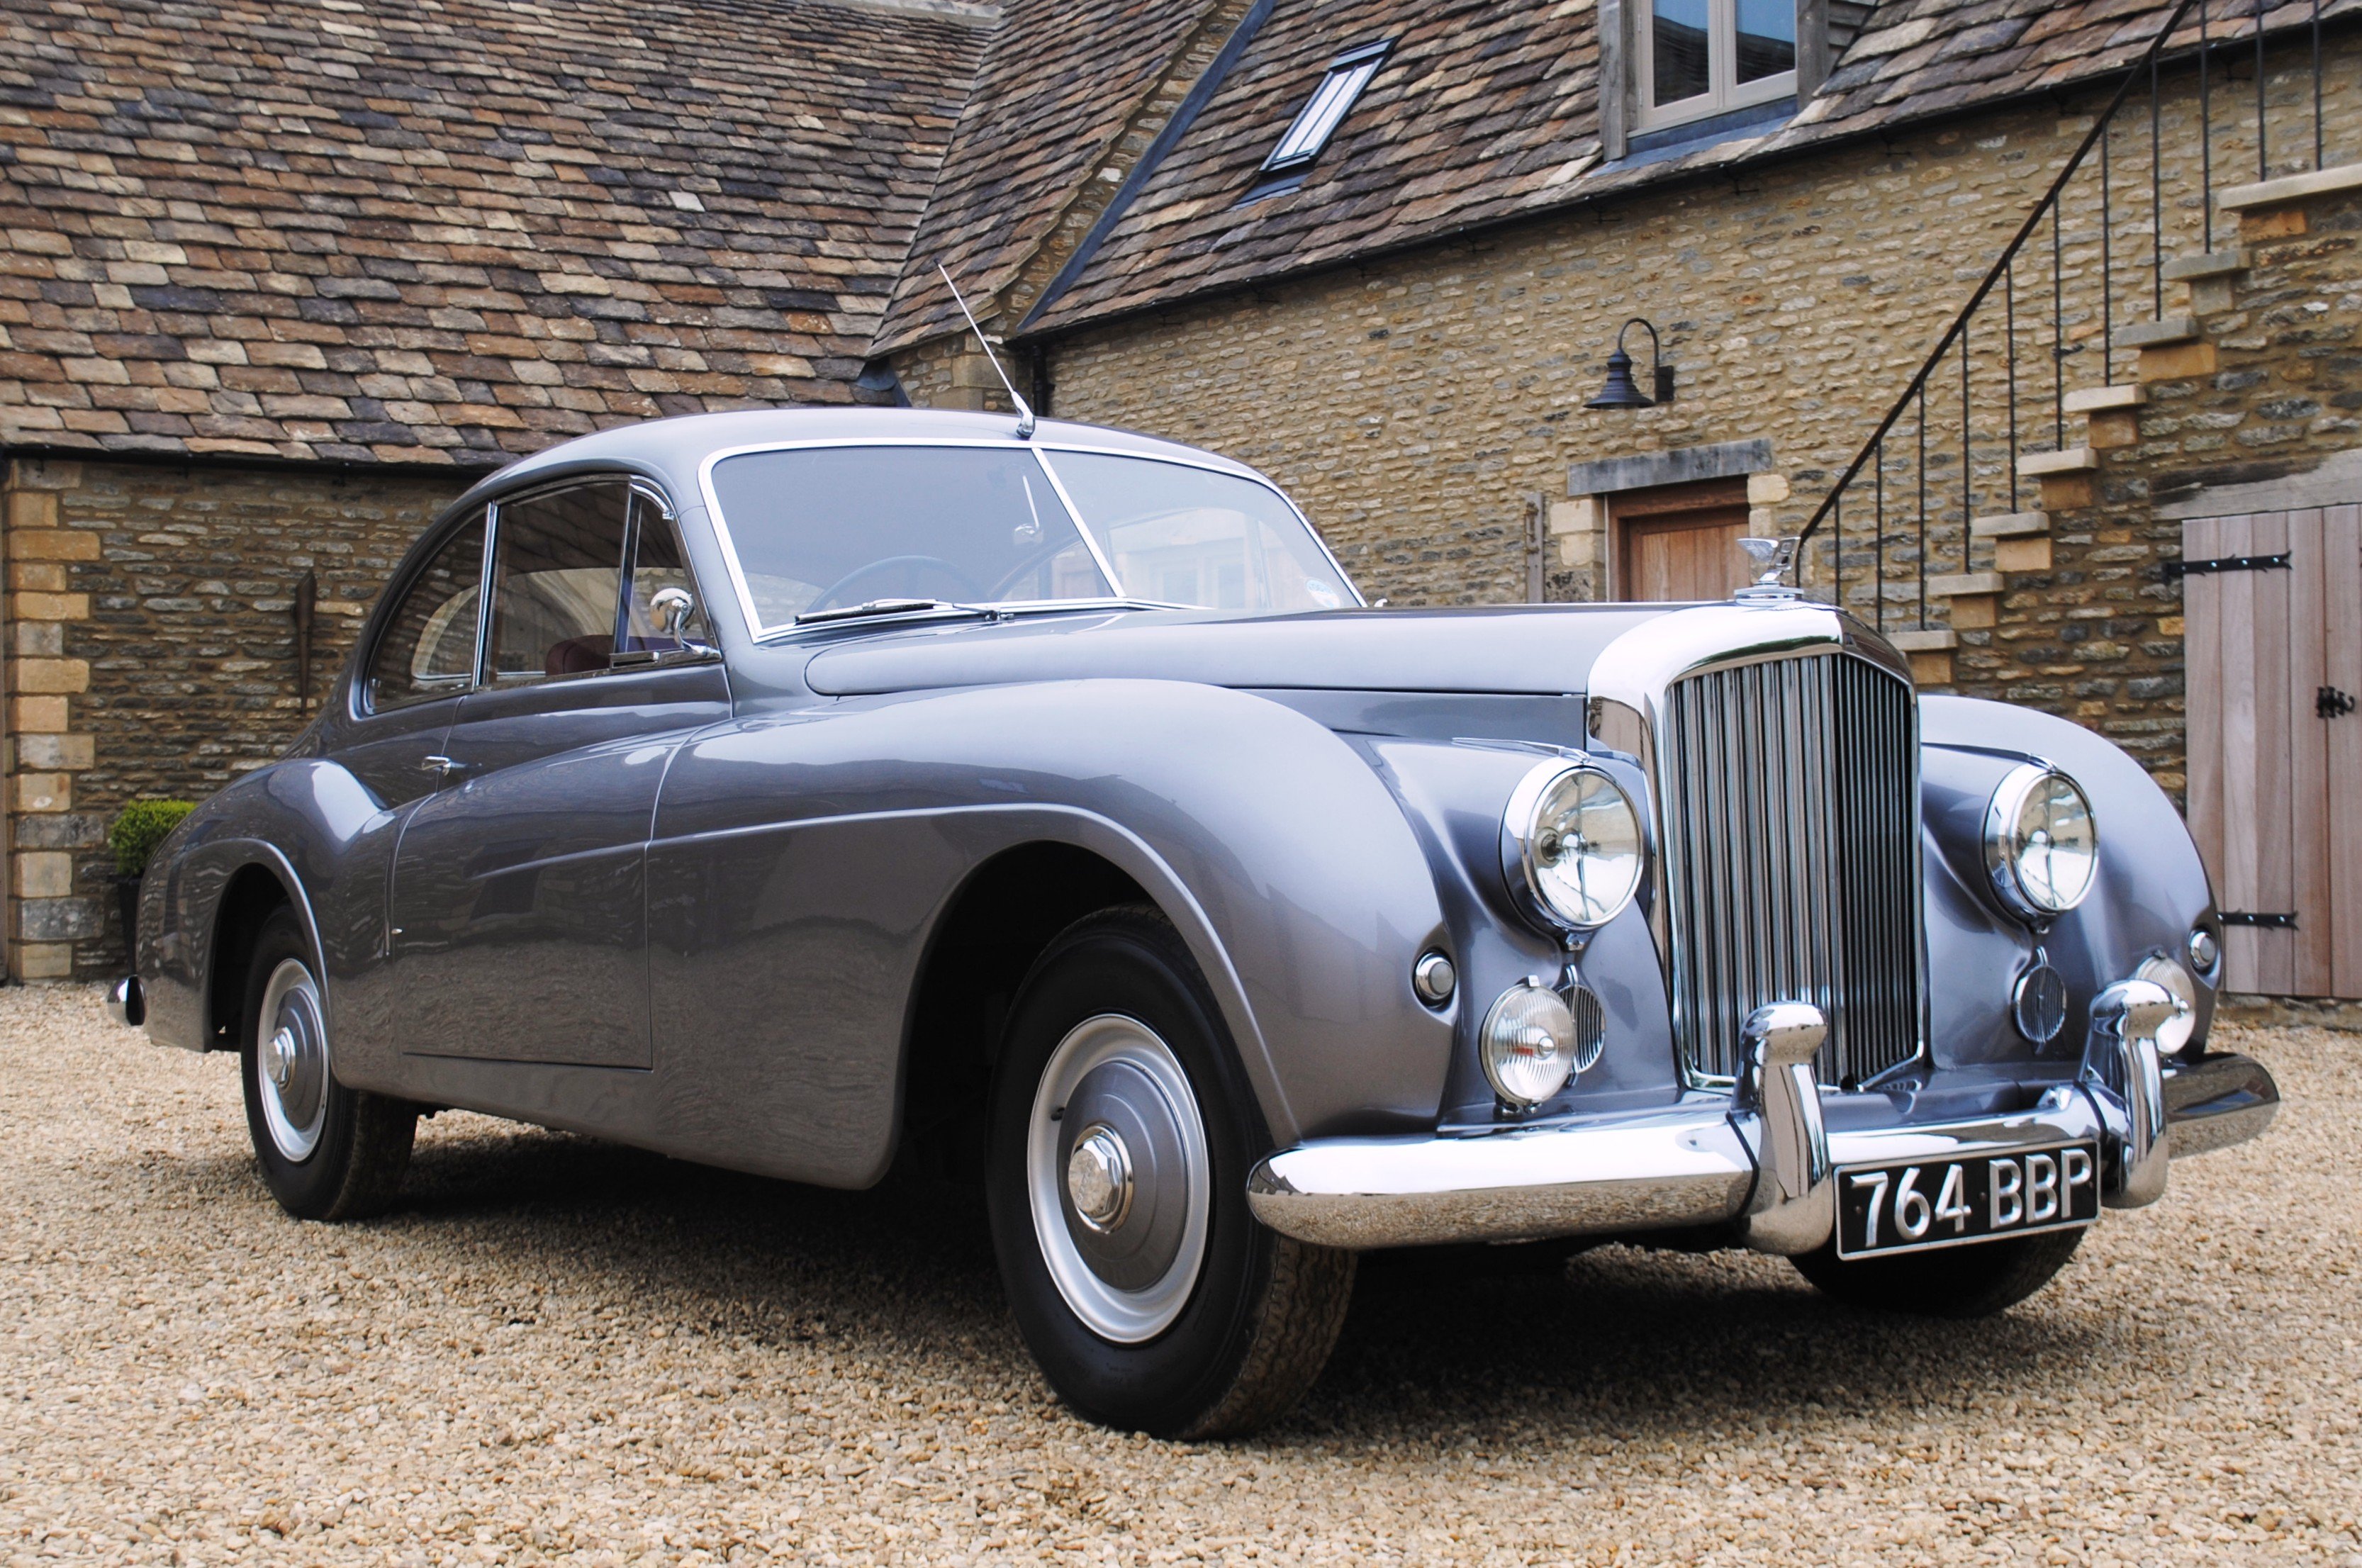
(1058, 85)
(1488, 112)
(451, 230)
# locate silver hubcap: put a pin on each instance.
(1118, 1179)
(292, 1054)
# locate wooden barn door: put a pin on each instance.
(1679, 542)
(2274, 624)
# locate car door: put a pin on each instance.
(422, 664)
(518, 901)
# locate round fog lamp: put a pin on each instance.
(1571, 844)
(1527, 1045)
(2041, 848)
(2175, 1033)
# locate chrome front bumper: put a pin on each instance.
(1758, 1160)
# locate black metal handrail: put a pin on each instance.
(2002, 275)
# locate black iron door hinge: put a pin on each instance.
(2265, 922)
(2227, 563)
(2331, 703)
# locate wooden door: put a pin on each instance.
(1681, 542)
(2274, 655)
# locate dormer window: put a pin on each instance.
(1697, 59)
(1315, 122)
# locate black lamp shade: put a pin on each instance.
(1620, 390)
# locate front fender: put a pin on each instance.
(2152, 887)
(803, 859)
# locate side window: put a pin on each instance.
(557, 571)
(429, 647)
(658, 622)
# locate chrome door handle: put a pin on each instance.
(443, 767)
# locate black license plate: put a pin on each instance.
(1948, 1203)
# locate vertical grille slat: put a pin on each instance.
(1791, 857)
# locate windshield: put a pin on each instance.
(823, 533)
(1187, 535)
(834, 527)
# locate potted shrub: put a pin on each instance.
(139, 828)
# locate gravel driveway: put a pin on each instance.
(561, 1351)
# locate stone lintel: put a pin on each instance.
(2097, 400)
(1642, 470)
(2290, 188)
(2009, 526)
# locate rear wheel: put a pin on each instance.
(328, 1151)
(1974, 1281)
(1121, 1136)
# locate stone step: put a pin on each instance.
(2073, 460)
(2207, 264)
(2009, 526)
(2161, 334)
(2289, 188)
(1964, 584)
(2102, 400)
(1932, 640)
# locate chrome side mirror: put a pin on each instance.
(673, 607)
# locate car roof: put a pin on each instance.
(676, 448)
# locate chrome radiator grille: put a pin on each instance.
(1790, 820)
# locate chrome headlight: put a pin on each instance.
(1571, 844)
(1527, 1045)
(2042, 850)
(2174, 1033)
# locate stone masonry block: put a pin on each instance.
(50, 607)
(38, 577)
(52, 675)
(55, 753)
(1975, 613)
(62, 830)
(39, 639)
(45, 961)
(1766, 489)
(2285, 224)
(58, 919)
(2179, 361)
(46, 473)
(30, 715)
(45, 874)
(2118, 427)
(2065, 493)
(41, 791)
(32, 508)
(1932, 669)
(2023, 554)
(1580, 515)
(52, 545)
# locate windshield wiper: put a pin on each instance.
(888, 607)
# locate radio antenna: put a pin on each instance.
(1025, 410)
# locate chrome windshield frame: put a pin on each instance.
(758, 631)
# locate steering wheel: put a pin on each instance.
(829, 596)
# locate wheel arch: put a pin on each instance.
(262, 882)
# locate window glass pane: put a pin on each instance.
(1677, 49)
(1767, 38)
(1187, 535)
(557, 571)
(657, 568)
(1318, 119)
(830, 527)
(429, 647)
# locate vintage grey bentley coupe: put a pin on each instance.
(788, 790)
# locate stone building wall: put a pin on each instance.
(152, 653)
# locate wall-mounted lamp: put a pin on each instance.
(1620, 392)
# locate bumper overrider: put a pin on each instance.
(1758, 1159)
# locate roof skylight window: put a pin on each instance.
(1315, 122)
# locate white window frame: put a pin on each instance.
(1315, 126)
(1724, 91)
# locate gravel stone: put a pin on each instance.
(556, 1350)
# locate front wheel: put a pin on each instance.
(1973, 1281)
(1121, 1136)
(328, 1151)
